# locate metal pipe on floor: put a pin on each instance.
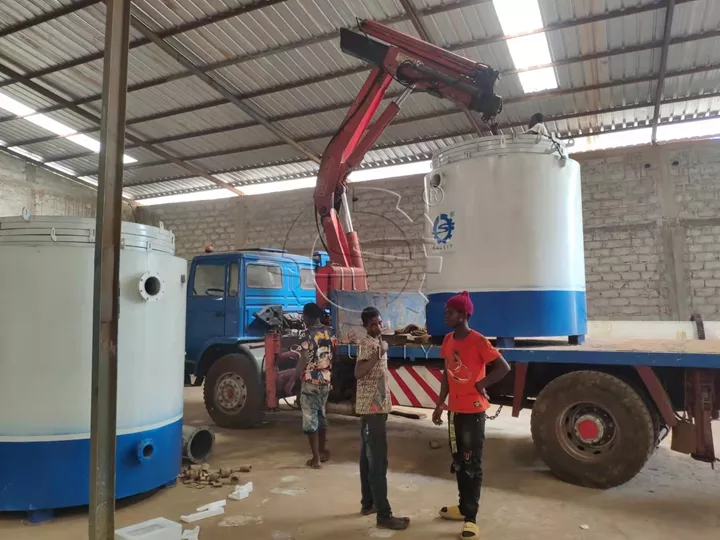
(197, 443)
(103, 413)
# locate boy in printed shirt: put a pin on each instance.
(466, 353)
(314, 368)
(372, 403)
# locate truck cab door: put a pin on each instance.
(232, 302)
(265, 285)
(206, 302)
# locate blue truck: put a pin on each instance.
(599, 409)
(224, 339)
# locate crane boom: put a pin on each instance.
(417, 65)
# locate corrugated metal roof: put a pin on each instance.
(55, 41)
(285, 55)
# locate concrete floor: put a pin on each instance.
(674, 498)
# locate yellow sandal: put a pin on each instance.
(470, 531)
(451, 513)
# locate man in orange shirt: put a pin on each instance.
(466, 353)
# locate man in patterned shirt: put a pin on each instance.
(314, 368)
(372, 403)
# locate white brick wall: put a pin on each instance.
(618, 190)
(702, 263)
(695, 170)
(696, 178)
(624, 274)
(43, 193)
(388, 216)
(634, 202)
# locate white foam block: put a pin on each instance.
(197, 516)
(154, 529)
(210, 506)
(191, 534)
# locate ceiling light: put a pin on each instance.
(58, 167)
(86, 142)
(89, 180)
(187, 197)
(529, 51)
(538, 80)
(393, 171)
(689, 130)
(94, 145)
(53, 126)
(283, 185)
(20, 150)
(518, 16)
(13, 106)
(611, 139)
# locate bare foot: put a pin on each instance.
(313, 463)
(324, 456)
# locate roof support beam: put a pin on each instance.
(106, 282)
(339, 106)
(660, 86)
(510, 101)
(187, 27)
(333, 35)
(229, 14)
(243, 105)
(95, 119)
(464, 133)
(47, 16)
(425, 35)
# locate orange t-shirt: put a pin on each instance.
(465, 361)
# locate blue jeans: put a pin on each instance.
(374, 464)
(313, 398)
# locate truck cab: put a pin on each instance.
(224, 340)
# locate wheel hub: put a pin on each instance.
(231, 392)
(586, 431)
(589, 428)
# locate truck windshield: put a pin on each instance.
(307, 278)
(263, 276)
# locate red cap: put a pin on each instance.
(461, 302)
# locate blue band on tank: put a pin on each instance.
(516, 313)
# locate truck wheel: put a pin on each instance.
(233, 392)
(592, 429)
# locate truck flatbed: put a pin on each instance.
(629, 352)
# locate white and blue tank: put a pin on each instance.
(46, 287)
(505, 224)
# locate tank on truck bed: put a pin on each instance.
(599, 409)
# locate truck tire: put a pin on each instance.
(233, 392)
(592, 429)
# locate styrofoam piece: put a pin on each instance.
(209, 506)
(191, 534)
(154, 529)
(241, 492)
(197, 516)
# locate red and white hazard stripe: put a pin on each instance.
(415, 386)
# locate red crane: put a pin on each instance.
(420, 67)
